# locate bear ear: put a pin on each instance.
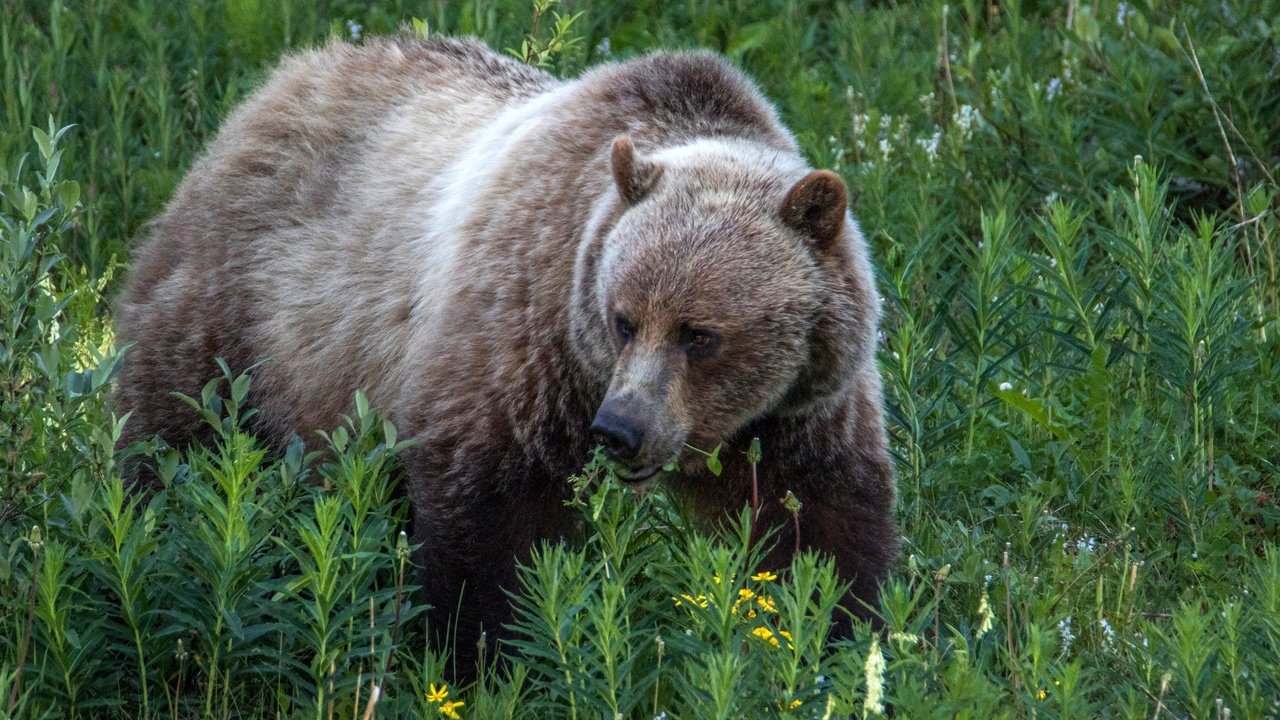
(633, 175)
(815, 206)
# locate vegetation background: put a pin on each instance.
(1073, 208)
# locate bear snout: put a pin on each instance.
(621, 436)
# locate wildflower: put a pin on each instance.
(886, 150)
(765, 634)
(787, 636)
(744, 596)
(450, 709)
(1006, 386)
(764, 576)
(795, 704)
(355, 29)
(1123, 13)
(603, 48)
(930, 145)
(859, 123)
(967, 119)
(1108, 632)
(984, 612)
(701, 601)
(1041, 694)
(437, 694)
(766, 604)
(874, 701)
(1064, 627)
(1053, 89)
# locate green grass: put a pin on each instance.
(1073, 209)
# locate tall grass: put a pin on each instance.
(1073, 208)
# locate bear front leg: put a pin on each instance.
(472, 538)
(837, 465)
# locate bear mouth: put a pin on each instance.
(636, 477)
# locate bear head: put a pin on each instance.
(729, 285)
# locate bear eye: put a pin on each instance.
(624, 328)
(700, 342)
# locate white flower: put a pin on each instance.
(1064, 627)
(874, 701)
(1108, 632)
(355, 29)
(930, 145)
(860, 121)
(1005, 386)
(967, 118)
(885, 149)
(984, 612)
(1123, 13)
(604, 48)
(1053, 89)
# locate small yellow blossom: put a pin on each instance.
(766, 604)
(700, 601)
(1042, 694)
(751, 614)
(765, 634)
(795, 704)
(437, 694)
(744, 596)
(450, 709)
(764, 576)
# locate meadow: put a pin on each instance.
(1073, 209)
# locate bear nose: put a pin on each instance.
(621, 439)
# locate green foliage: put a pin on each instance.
(1073, 211)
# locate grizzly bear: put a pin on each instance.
(516, 269)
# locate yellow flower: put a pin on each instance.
(700, 601)
(764, 576)
(744, 595)
(795, 704)
(437, 694)
(450, 709)
(751, 614)
(1042, 694)
(765, 634)
(787, 635)
(766, 604)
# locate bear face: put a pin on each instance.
(703, 229)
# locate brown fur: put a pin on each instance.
(458, 235)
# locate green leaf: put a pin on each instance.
(43, 142)
(1033, 409)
